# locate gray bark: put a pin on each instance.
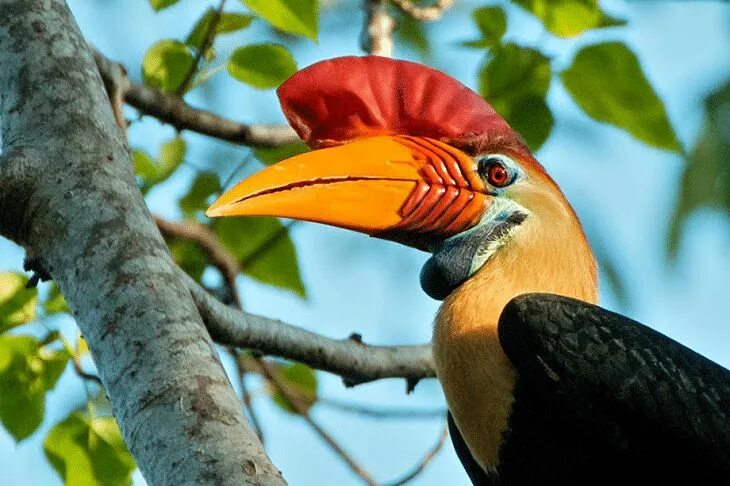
(68, 196)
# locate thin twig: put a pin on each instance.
(174, 111)
(86, 376)
(380, 412)
(202, 236)
(235, 171)
(301, 409)
(434, 12)
(425, 460)
(378, 30)
(246, 395)
(203, 48)
(115, 83)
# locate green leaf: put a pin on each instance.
(264, 250)
(27, 372)
(165, 65)
(412, 33)
(188, 256)
(607, 82)
(515, 80)
(55, 302)
(172, 154)
(492, 24)
(150, 171)
(299, 379)
(531, 117)
(262, 66)
(145, 168)
(160, 4)
(269, 156)
(17, 303)
(89, 452)
(568, 18)
(197, 199)
(706, 178)
(292, 16)
(227, 23)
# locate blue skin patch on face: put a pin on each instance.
(453, 260)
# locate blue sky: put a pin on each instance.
(356, 283)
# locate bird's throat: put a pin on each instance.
(477, 377)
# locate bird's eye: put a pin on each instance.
(495, 172)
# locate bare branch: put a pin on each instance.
(295, 401)
(355, 361)
(175, 111)
(202, 236)
(433, 12)
(419, 468)
(378, 29)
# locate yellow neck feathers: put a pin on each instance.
(548, 253)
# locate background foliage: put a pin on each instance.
(578, 49)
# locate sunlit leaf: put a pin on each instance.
(515, 81)
(264, 250)
(262, 66)
(166, 64)
(160, 4)
(269, 156)
(17, 303)
(706, 178)
(292, 16)
(27, 372)
(82, 348)
(172, 154)
(55, 302)
(492, 24)
(227, 23)
(607, 82)
(150, 171)
(568, 18)
(89, 452)
(300, 381)
(204, 186)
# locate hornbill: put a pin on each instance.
(541, 389)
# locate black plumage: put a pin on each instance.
(602, 399)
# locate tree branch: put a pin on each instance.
(202, 236)
(433, 12)
(175, 111)
(82, 219)
(378, 29)
(355, 361)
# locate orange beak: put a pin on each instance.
(408, 189)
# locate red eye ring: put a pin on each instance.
(498, 175)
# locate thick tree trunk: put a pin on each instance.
(68, 195)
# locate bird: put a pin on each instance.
(542, 385)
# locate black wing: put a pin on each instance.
(602, 399)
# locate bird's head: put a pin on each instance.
(406, 153)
